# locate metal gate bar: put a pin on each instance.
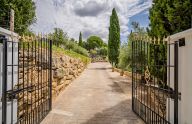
(4, 85)
(176, 88)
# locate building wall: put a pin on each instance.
(11, 36)
(185, 78)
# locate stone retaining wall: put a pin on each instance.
(65, 70)
(33, 72)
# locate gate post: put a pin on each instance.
(4, 83)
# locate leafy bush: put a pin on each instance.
(84, 59)
(69, 45)
(94, 42)
(61, 39)
(125, 56)
(80, 50)
(102, 51)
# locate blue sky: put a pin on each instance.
(91, 17)
(142, 18)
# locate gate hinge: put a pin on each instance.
(2, 37)
(179, 96)
(172, 95)
(181, 42)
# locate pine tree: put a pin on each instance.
(80, 40)
(114, 39)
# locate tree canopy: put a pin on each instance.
(59, 36)
(169, 16)
(94, 42)
(24, 13)
(114, 38)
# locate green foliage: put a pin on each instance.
(73, 54)
(61, 39)
(85, 45)
(80, 40)
(125, 56)
(93, 53)
(24, 13)
(114, 39)
(102, 51)
(80, 50)
(70, 45)
(169, 17)
(138, 29)
(94, 42)
(158, 56)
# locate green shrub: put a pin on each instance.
(69, 45)
(102, 51)
(84, 59)
(125, 57)
(72, 46)
(61, 39)
(80, 50)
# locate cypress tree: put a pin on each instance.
(168, 17)
(80, 40)
(114, 39)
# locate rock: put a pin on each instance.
(71, 72)
(54, 63)
(59, 73)
(79, 70)
(69, 77)
(54, 84)
(67, 82)
(62, 81)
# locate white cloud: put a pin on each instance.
(89, 16)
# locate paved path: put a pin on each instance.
(98, 96)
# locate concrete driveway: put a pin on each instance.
(98, 96)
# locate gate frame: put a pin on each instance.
(174, 93)
(5, 92)
(4, 85)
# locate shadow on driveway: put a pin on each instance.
(118, 114)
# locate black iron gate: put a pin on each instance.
(155, 81)
(26, 80)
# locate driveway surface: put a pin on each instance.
(98, 96)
